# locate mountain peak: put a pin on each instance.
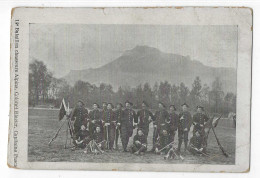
(141, 49)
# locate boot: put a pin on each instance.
(185, 146)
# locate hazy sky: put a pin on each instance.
(66, 47)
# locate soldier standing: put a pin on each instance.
(161, 116)
(118, 115)
(145, 117)
(199, 120)
(109, 126)
(79, 116)
(184, 124)
(95, 118)
(127, 121)
(172, 122)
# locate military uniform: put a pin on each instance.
(82, 138)
(143, 120)
(127, 127)
(199, 120)
(197, 143)
(109, 130)
(99, 139)
(172, 124)
(79, 116)
(139, 143)
(184, 122)
(163, 141)
(118, 115)
(161, 118)
(95, 118)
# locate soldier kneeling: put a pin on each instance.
(139, 143)
(197, 144)
(98, 141)
(82, 138)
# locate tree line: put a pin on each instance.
(45, 89)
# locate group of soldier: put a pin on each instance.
(99, 130)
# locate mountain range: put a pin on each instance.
(147, 64)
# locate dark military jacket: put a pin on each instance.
(80, 115)
(163, 141)
(98, 137)
(185, 120)
(119, 115)
(143, 117)
(129, 116)
(103, 114)
(83, 134)
(141, 139)
(95, 115)
(200, 118)
(110, 117)
(173, 121)
(161, 116)
(197, 142)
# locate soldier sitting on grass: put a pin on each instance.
(82, 138)
(98, 142)
(139, 143)
(197, 144)
(163, 144)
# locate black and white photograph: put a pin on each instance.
(131, 92)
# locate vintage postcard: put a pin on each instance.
(131, 89)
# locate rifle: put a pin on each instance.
(205, 154)
(165, 146)
(99, 149)
(220, 146)
(173, 150)
(55, 136)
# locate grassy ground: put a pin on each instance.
(43, 124)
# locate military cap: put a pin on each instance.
(80, 101)
(162, 104)
(172, 105)
(104, 102)
(140, 129)
(201, 107)
(96, 104)
(111, 104)
(185, 104)
(129, 102)
(119, 104)
(145, 103)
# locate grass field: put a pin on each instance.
(43, 124)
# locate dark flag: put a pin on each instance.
(63, 109)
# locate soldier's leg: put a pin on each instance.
(155, 136)
(180, 138)
(123, 138)
(112, 136)
(143, 149)
(134, 148)
(186, 138)
(117, 136)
